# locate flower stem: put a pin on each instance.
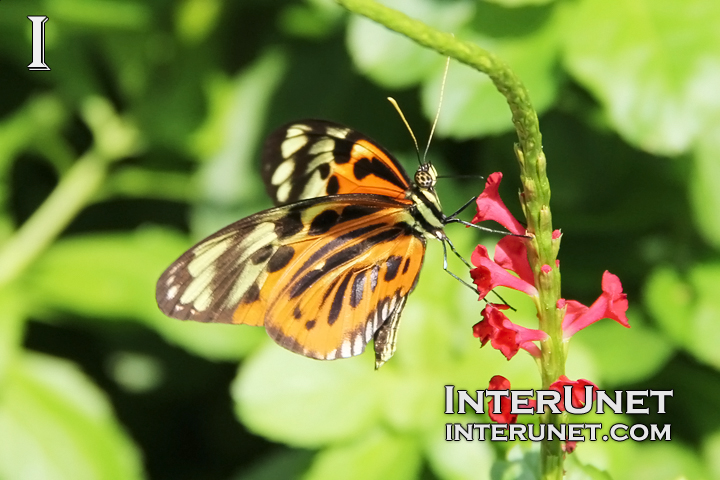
(38, 232)
(535, 196)
(114, 139)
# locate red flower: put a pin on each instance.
(578, 391)
(489, 274)
(491, 207)
(504, 335)
(498, 382)
(611, 304)
(569, 446)
(511, 254)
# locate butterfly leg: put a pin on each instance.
(460, 210)
(452, 219)
(445, 263)
(445, 267)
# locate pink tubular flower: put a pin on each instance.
(578, 390)
(611, 304)
(489, 274)
(491, 207)
(511, 254)
(498, 382)
(504, 335)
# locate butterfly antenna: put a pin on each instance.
(437, 114)
(461, 176)
(397, 107)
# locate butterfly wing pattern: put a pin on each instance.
(332, 265)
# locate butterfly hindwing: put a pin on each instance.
(323, 275)
(314, 158)
(356, 289)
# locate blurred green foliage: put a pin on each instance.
(144, 137)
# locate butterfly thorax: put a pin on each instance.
(427, 210)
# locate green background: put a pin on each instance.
(150, 122)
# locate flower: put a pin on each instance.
(611, 304)
(511, 268)
(498, 382)
(578, 390)
(511, 254)
(504, 335)
(490, 274)
(491, 207)
(568, 446)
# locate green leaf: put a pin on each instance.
(523, 463)
(55, 424)
(460, 460)
(125, 15)
(393, 60)
(574, 470)
(703, 188)
(711, 454)
(196, 19)
(519, 3)
(687, 308)
(377, 456)
(304, 402)
(653, 65)
(113, 276)
(622, 355)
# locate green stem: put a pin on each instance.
(535, 196)
(73, 192)
(114, 138)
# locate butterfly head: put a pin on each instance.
(426, 176)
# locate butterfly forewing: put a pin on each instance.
(313, 158)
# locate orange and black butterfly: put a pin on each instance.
(331, 266)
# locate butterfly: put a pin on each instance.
(331, 266)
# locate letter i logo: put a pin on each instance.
(38, 42)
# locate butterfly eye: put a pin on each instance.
(425, 178)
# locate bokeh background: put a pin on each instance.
(144, 137)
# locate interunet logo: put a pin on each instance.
(631, 401)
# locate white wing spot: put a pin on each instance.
(385, 310)
(322, 146)
(283, 192)
(283, 172)
(358, 346)
(346, 349)
(291, 145)
(323, 157)
(337, 132)
(368, 330)
(197, 292)
(172, 291)
(314, 186)
(297, 129)
(332, 355)
(206, 254)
